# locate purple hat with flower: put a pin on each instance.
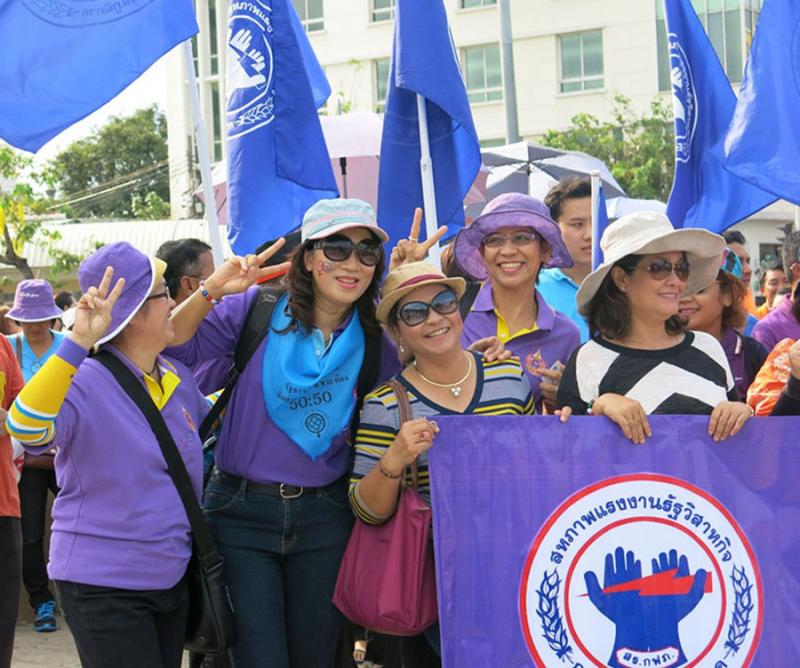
(509, 210)
(33, 302)
(141, 274)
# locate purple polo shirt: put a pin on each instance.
(250, 445)
(779, 324)
(118, 520)
(554, 340)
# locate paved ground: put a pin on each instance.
(46, 650)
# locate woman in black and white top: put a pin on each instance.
(641, 360)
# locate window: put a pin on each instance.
(381, 68)
(382, 10)
(469, 4)
(310, 12)
(490, 143)
(212, 36)
(722, 20)
(216, 121)
(581, 61)
(483, 73)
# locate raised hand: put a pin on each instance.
(411, 249)
(237, 274)
(93, 311)
(492, 348)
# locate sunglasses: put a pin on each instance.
(661, 268)
(338, 249)
(415, 313)
(517, 239)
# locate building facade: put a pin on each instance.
(570, 57)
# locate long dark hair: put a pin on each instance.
(299, 283)
(609, 311)
(735, 315)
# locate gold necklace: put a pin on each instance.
(455, 388)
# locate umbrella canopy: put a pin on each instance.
(533, 169)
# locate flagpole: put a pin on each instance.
(203, 157)
(595, 222)
(428, 190)
(797, 218)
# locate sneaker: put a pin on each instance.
(45, 617)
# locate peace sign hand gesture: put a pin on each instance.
(411, 249)
(237, 274)
(93, 311)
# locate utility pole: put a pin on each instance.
(507, 58)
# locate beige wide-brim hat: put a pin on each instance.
(407, 278)
(644, 233)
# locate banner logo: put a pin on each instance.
(251, 103)
(79, 13)
(641, 570)
(684, 100)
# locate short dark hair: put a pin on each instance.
(734, 237)
(183, 259)
(774, 265)
(790, 251)
(573, 187)
(64, 300)
(609, 311)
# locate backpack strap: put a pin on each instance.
(468, 298)
(255, 329)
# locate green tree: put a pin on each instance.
(638, 149)
(100, 176)
(19, 204)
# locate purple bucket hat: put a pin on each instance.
(33, 302)
(141, 274)
(509, 210)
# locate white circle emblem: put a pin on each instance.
(78, 13)
(684, 99)
(641, 570)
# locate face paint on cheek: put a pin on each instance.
(324, 266)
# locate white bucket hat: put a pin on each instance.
(644, 233)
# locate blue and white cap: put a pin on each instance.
(329, 216)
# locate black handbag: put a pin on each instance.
(210, 629)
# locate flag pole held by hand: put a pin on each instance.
(428, 189)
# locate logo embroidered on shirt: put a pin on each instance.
(534, 362)
(189, 419)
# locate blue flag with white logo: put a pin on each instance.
(278, 163)
(60, 61)
(703, 193)
(424, 61)
(599, 225)
(763, 142)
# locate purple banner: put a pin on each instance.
(566, 545)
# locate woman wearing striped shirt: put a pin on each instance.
(420, 309)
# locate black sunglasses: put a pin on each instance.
(415, 313)
(661, 268)
(160, 295)
(339, 248)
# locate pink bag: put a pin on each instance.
(387, 581)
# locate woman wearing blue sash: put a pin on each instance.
(277, 502)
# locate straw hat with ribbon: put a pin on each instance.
(407, 278)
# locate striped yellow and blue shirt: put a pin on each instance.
(502, 388)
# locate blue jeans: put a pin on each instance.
(282, 558)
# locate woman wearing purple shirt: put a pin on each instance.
(277, 503)
(506, 246)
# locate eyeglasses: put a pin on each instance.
(415, 313)
(660, 269)
(338, 249)
(517, 239)
(160, 295)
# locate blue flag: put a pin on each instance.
(763, 142)
(424, 61)
(599, 225)
(60, 61)
(703, 194)
(278, 163)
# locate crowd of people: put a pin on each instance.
(518, 322)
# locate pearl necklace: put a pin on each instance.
(455, 388)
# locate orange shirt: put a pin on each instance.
(771, 379)
(762, 311)
(11, 383)
(749, 302)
